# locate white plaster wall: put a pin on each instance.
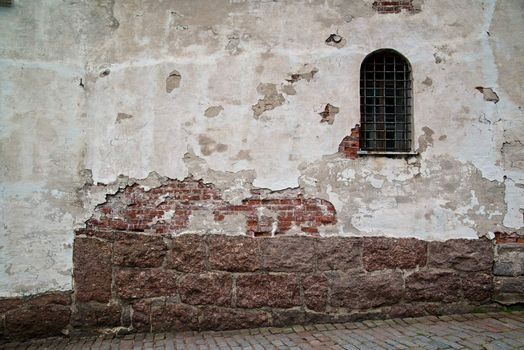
(467, 180)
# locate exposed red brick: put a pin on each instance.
(509, 237)
(167, 209)
(351, 144)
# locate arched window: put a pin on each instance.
(385, 103)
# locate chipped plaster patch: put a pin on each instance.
(488, 93)
(272, 99)
(328, 114)
(213, 111)
(122, 116)
(173, 81)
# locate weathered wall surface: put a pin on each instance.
(232, 92)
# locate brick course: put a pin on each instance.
(167, 208)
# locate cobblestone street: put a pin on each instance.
(470, 331)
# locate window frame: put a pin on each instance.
(395, 151)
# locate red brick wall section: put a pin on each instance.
(166, 209)
(509, 237)
(351, 144)
(386, 6)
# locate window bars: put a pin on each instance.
(385, 103)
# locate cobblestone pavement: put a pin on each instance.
(471, 331)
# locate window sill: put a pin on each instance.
(386, 153)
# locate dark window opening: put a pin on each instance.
(385, 102)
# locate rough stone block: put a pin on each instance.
(433, 286)
(365, 291)
(92, 269)
(461, 254)
(234, 253)
(210, 289)
(389, 253)
(315, 289)
(37, 321)
(188, 254)
(96, 315)
(509, 260)
(219, 318)
(477, 286)
(132, 284)
(287, 317)
(138, 250)
(509, 290)
(336, 253)
(57, 298)
(174, 317)
(141, 315)
(7, 304)
(257, 290)
(291, 253)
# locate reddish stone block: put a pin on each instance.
(219, 318)
(433, 286)
(132, 284)
(259, 290)
(96, 315)
(210, 289)
(477, 286)
(381, 253)
(291, 253)
(138, 250)
(234, 253)
(37, 321)
(174, 317)
(188, 254)
(461, 254)
(57, 298)
(7, 304)
(336, 253)
(315, 289)
(141, 315)
(92, 269)
(287, 317)
(364, 291)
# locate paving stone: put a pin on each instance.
(487, 331)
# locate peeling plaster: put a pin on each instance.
(63, 152)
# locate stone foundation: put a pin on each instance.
(129, 281)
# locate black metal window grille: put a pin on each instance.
(385, 103)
